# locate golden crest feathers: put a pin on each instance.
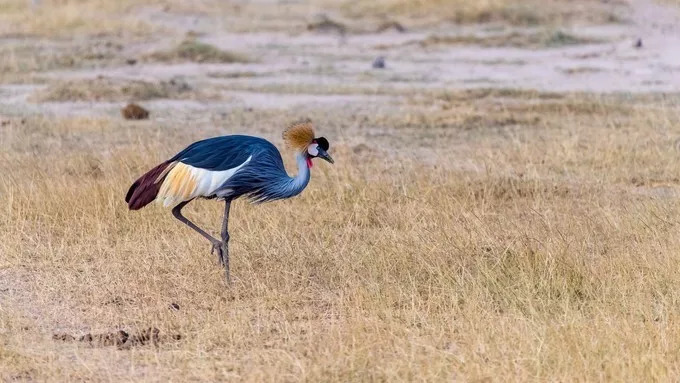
(299, 134)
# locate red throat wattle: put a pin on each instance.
(309, 162)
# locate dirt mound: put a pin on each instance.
(196, 51)
(134, 112)
(120, 338)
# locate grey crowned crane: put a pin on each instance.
(227, 168)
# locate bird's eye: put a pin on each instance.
(323, 143)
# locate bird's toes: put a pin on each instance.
(220, 256)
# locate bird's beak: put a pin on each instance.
(323, 154)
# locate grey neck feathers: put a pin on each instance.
(287, 186)
(300, 181)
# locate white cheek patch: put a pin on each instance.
(313, 150)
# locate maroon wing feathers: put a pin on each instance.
(145, 189)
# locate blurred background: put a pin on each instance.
(268, 53)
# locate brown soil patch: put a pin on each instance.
(121, 339)
(134, 112)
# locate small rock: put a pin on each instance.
(638, 43)
(134, 112)
(379, 62)
(174, 306)
(131, 61)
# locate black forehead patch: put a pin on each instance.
(323, 143)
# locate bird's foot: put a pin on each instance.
(217, 247)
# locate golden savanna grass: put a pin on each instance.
(461, 11)
(64, 18)
(492, 237)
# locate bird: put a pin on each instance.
(226, 168)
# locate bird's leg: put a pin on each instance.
(225, 237)
(216, 244)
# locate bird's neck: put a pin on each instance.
(288, 186)
(299, 182)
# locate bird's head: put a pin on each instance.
(300, 137)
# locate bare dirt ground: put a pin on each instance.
(503, 206)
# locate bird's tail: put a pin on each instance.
(146, 188)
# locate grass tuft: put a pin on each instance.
(195, 51)
(107, 89)
(536, 40)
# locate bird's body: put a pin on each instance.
(222, 167)
(228, 167)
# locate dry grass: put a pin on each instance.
(484, 235)
(25, 61)
(524, 13)
(536, 40)
(108, 89)
(196, 51)
(370, 15)
(65, 18)
(136, 19)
